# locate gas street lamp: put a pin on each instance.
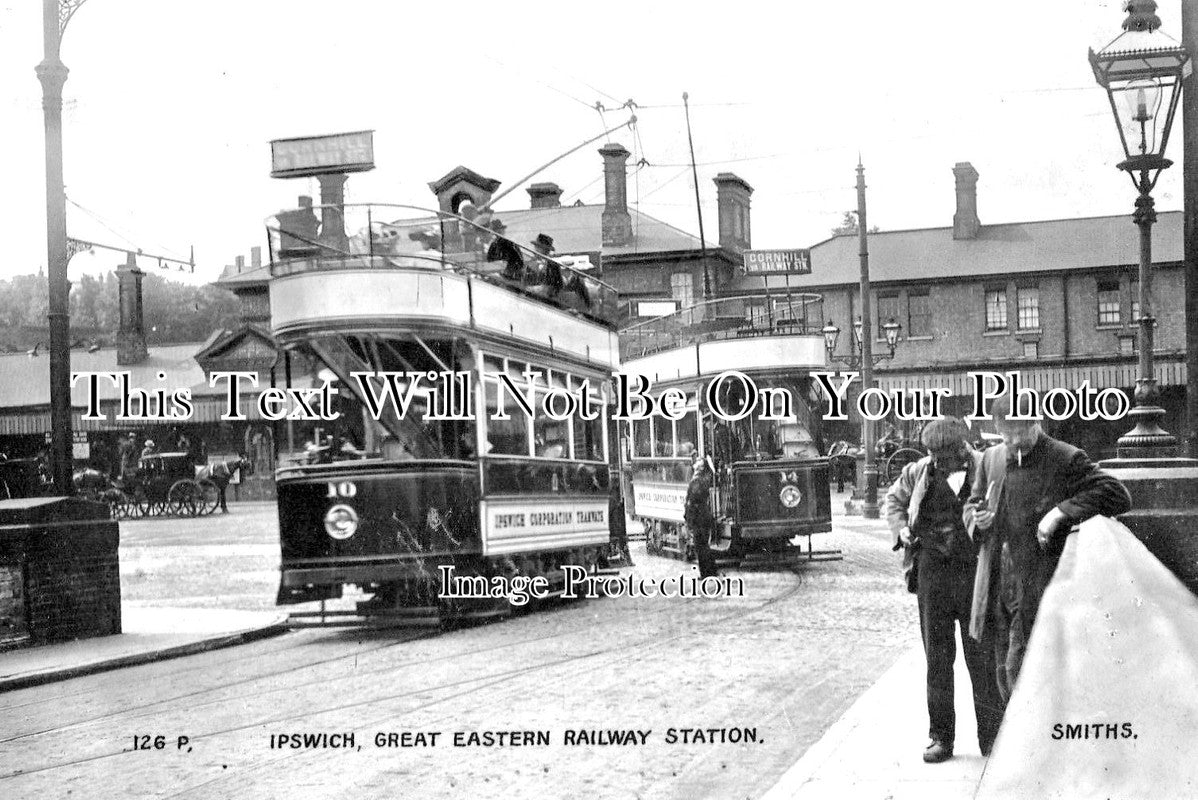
(1142, 70)
(853, 360)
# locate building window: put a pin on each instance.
(1027, 299)
(1031, 349)
(919, 313)
(681, 290)
(888, 309)
(1135, 300)
(1108, 303)
(758, 315)
(996, 309)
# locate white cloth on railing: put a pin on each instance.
(1107, 701)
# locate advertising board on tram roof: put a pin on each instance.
(322, 155)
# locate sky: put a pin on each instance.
(170, 108)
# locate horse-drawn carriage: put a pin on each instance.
(162, 484)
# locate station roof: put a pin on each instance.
(27, 379)
(1003, 249)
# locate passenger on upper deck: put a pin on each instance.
(551, 271)
(505, 250)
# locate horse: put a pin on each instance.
(221, 473)
(91, 484)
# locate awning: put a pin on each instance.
(1100, 376)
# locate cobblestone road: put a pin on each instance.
(784, 661)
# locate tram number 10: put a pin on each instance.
(342, 489)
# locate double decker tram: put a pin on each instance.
(770, 482)
(414, 484)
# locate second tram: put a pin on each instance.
(771, 484)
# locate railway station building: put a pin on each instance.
(1055, 300)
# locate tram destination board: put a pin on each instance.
(777, 262)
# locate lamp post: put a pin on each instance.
(858, 358)
(53, 74)
(853, 360)
(1142, 70)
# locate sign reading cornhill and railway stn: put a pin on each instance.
(321, 155)
(776, 262)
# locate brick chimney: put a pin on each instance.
(965, 222)
(256, 256)
(732, 199)
(131, 335)
(617, 222)
(545, 195)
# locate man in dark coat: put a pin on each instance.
(505, 250)
(1029, 492)
(923, 510)
(698, 516)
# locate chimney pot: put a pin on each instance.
(965, 222)
(617, 222)
(545, 195)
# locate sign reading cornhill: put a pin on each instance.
(776, 262)
(321, 155)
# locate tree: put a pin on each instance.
(848, 226)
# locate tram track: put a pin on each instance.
(636, 650)
(481, 682)
(133, 712)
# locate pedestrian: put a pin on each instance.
(125, 449)
(182, 442)
(699, 520)
(1028, 492)
(924, 511)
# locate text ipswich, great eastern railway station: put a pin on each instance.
(569, 737)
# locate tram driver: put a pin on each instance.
(699, 519)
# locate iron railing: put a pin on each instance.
(372, 235)
(741, 317)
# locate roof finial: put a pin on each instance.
(1141, 16)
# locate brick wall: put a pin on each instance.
(1068, 317)
(68, 571)
(73, 582)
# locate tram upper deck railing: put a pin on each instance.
(740, 317)
(373, 236)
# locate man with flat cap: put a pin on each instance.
(1027, 494)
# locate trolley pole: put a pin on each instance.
(870, 508)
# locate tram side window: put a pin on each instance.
(687, 433)
(505, 436)
(642, 439)
(663, 430)
(551, 438)
(588, 436)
